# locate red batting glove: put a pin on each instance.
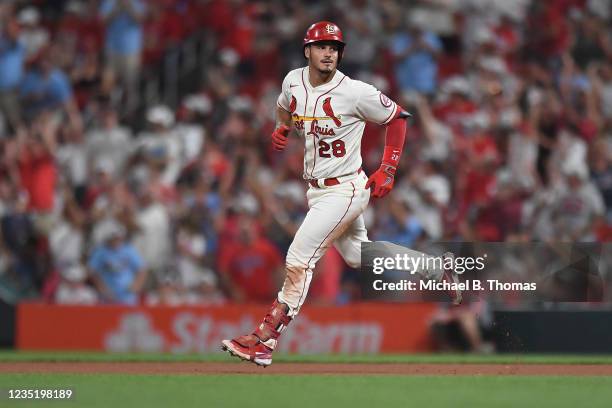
(279, 137)
(381, 181)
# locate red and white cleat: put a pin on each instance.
(258, 346)
(249, 348)
(449, 275)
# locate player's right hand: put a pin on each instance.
(279, 137)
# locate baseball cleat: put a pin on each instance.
(258, 346)
(449, 275)
(248, 350)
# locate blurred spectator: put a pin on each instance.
(206, 291)
(37, 167)
(124, 41)
(522, 157)
(12, 58)
(117, 268)
(73, 290)
(590, 42)
(438, 136)
(249, 264)
(476, 181)
(165, 26)
(547, 31)
(167, 293)
(99, 189)
(46, 88)
(602, 174)
(415, 51)
(397, 223)
(601, 78)
(87, 76)
(152, 239)
(109, 144)
(578, 208)
(190, 126)
(71, 157)
(364, 28)
(79, 35)
(191, 249)
(67, 240)
(466, 328)
(34, 36)
(19, 240)
(427, 195)
(456, 103)
(162, 145)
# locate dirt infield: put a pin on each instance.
(308, 368)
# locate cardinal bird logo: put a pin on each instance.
(330, 112)
(293, 104)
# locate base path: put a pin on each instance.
(205, 368)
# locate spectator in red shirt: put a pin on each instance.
(163, 30)
(250, 264)
(457, 105)
(37, 169)
(547, 30)
(476, 182)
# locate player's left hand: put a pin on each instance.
(381, 181)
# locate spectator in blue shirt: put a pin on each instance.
(12, 57)
(399, 225)
(416, 52)
(124, 41)
(46, 88)
(117, 268)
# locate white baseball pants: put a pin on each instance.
(335, 216)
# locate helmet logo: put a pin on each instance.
(330, 28)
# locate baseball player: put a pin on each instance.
(328, 110)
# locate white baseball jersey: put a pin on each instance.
(331, 119)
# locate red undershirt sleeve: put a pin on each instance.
(394, 139)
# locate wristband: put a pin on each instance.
(391, 156)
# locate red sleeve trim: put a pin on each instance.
(392, 115)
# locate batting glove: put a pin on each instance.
(381, 181)
(279, 137)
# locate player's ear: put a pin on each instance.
(307, 51)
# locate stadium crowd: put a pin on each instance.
(511, 139)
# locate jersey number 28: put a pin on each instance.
(337, 148)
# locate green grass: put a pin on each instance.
(320, 391)
(153, 391)
(12, 356)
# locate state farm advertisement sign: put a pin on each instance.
(359, 328)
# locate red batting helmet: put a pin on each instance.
(325, 31)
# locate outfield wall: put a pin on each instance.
(553, 331)
(7, 325)
(357, 328)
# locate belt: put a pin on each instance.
(332, 181)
